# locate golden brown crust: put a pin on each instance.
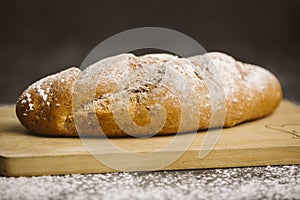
(250, 91)
(45, 107)
(137, 84)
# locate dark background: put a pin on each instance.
(43, 37)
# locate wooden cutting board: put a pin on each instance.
(273, 140)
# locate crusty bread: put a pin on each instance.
(122, 93)
(45, 107)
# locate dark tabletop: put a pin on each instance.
(271, 182)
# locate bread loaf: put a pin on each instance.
(142, 95)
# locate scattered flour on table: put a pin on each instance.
(234, 183)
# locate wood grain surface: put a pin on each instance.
(273, 140)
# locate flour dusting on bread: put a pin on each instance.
(136, 84)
